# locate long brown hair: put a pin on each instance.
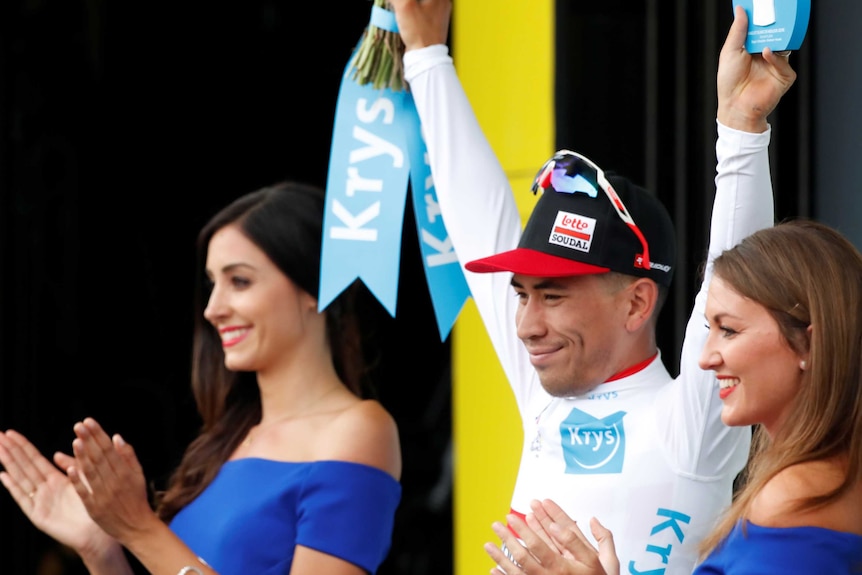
(805, 274)
(285, 221)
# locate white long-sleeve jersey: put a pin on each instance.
(646, 454)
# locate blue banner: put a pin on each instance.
(377, 148)
(446, 282)
(366, 190)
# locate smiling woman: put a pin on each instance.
(780, 328)
(742, 332)
(258, 311)
(268, 366)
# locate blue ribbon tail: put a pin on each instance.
(443, 274)
(366, 191)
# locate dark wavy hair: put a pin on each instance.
(285, 221)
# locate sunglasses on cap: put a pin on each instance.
(570, 172)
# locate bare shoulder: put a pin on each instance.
(367, 434)
(773, 506)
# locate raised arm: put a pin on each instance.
(471, 186)
(473, 191)
(749, 87)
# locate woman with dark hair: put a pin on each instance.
(292, 471)
(784, 341)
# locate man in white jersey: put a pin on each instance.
(607, 431)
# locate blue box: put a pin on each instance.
(776, 24)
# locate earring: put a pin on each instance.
(803, 364)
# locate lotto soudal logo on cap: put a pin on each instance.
(573, 231)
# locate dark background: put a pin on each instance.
(123, 127)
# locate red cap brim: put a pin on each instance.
(529, 262)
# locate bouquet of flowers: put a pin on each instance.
(378, 59)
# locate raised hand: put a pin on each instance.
(749, 85)
(422, 22)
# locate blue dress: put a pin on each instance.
(248, 520)
(784, 551)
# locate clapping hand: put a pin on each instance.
(552, 544)
(46, 496)
(109, 481)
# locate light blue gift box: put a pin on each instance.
(776, 24)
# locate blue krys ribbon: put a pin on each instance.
(377, 148)
(383, 19)
(366, 189)
(446, 282)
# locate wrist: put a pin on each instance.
(422, 45)
(745, 122)
(421, 60)
(105, 556)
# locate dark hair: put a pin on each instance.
(285, 221)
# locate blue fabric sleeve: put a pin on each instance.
(784, 551)
(348, 511)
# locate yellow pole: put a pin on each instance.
(504, 54)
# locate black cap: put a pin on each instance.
(588, 223)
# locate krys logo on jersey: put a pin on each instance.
(591, 445)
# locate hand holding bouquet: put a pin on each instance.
(378, 59)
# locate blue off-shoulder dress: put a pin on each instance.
(253, 514)
(784, 551)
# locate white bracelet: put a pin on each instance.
(189, 569)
